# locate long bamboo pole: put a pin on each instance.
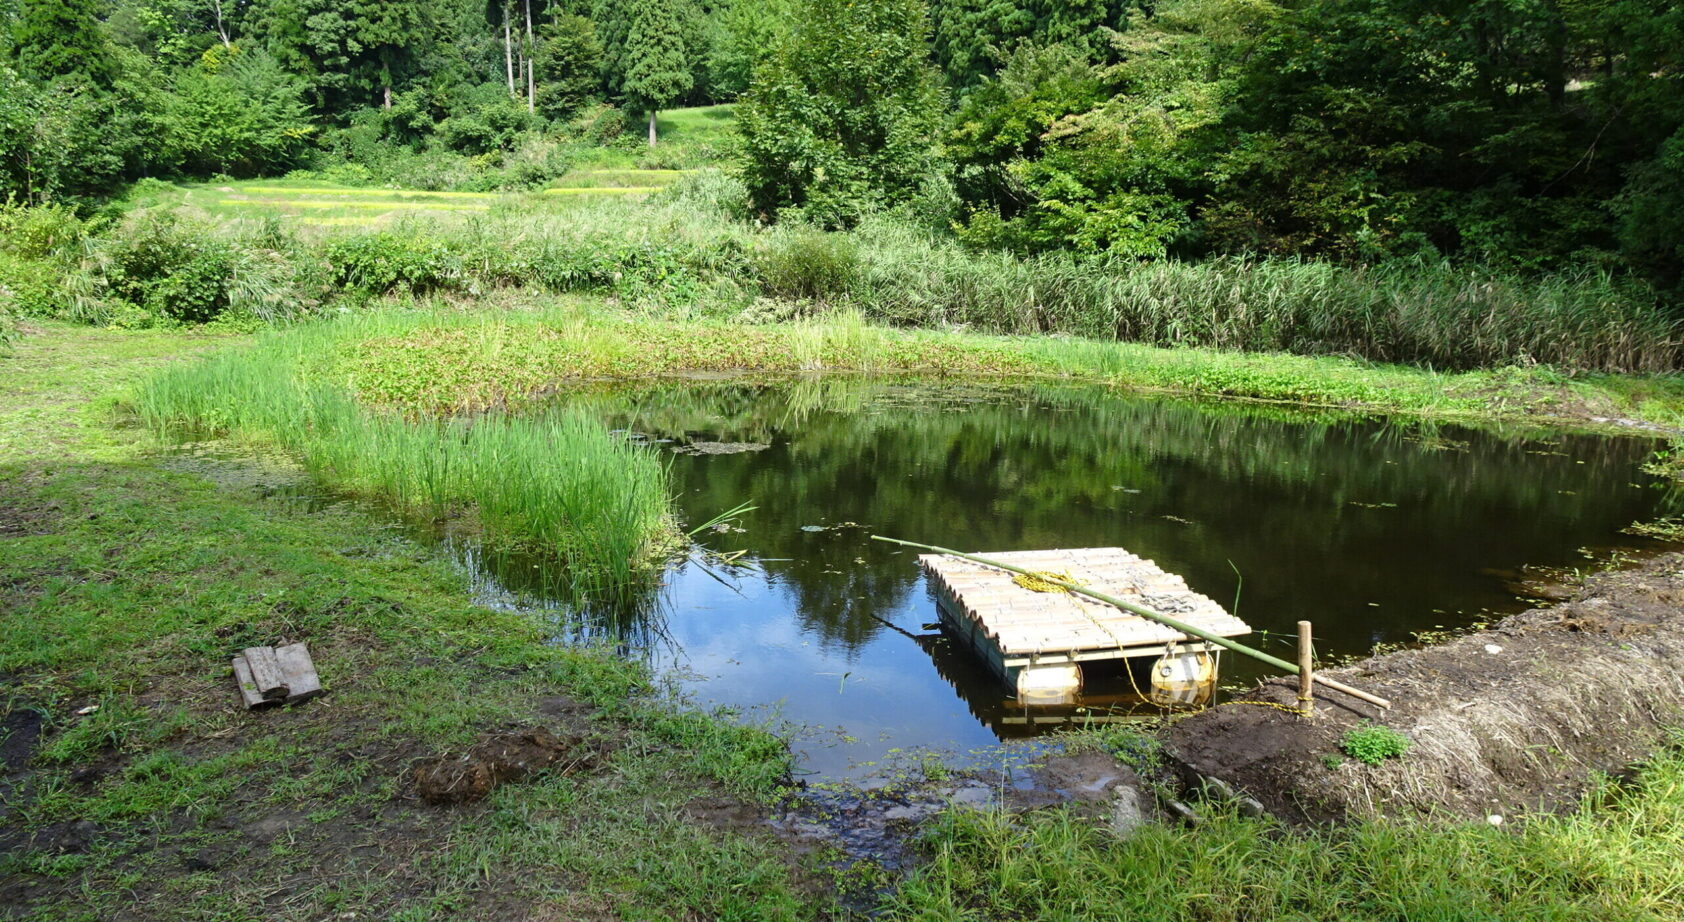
(1167, 621)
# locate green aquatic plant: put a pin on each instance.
(1668, 528)
(1372, 744)
(556, 484)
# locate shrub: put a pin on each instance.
(41, 231)
(384, 262)
(178, 271)
(1372, 744)
(711, 192)
(534, 163)
(806, 264)
(30, 287)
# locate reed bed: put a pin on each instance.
(690, 248)
(1430, 314)
(686, 252)
(557, 484)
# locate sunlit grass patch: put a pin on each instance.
(340, 220)
(346, 191)
(384, 206)
(604, 190)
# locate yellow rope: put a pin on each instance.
(1038, 582)
(1296, 712)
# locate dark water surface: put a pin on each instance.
(1373, 530)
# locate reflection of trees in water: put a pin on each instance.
(633, 621)
(1315, 509)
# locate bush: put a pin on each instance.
(30, 287)
(384, 262)
(40, 232)
(1372, 744)
(711, 192)
(808, 265)
(182, 272)
(534, 163)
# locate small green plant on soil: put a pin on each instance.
(1372, 744)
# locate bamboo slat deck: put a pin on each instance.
(1013, 626)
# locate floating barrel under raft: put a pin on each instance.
(1036, 637)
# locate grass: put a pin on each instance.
(127, 579)
(1620, 857)
(133, 578)
(444, 361)
(681, 239)
(558, 485)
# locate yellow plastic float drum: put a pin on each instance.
(1183, 679)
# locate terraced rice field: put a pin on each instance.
(321, 204)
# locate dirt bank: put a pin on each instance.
(1513, 719)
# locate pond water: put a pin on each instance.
(1371, 529)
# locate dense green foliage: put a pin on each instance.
(840, 117)
(1525, 135)
(1415, 141)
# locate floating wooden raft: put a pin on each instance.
(1015, 627)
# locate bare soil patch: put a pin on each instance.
(1505, 721)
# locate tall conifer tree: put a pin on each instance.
(61, 38)
(658, 69)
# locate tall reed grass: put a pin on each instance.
(556, 484)
(690, 248)
(690, 252)
(1431, 314)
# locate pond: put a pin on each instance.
(1372, 529)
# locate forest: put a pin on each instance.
(1512, 134)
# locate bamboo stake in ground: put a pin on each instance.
(1306, 671)
(1143, 612)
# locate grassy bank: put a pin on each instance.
(128, 578)
(555, 484)
(1620, 857)
(440, 360)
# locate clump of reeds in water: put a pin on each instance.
(556, 484)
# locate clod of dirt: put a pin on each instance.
(498, 759)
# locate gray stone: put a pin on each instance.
(1127, 812)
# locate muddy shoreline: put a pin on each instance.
(1515, 719)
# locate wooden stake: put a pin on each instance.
(1306, 671)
